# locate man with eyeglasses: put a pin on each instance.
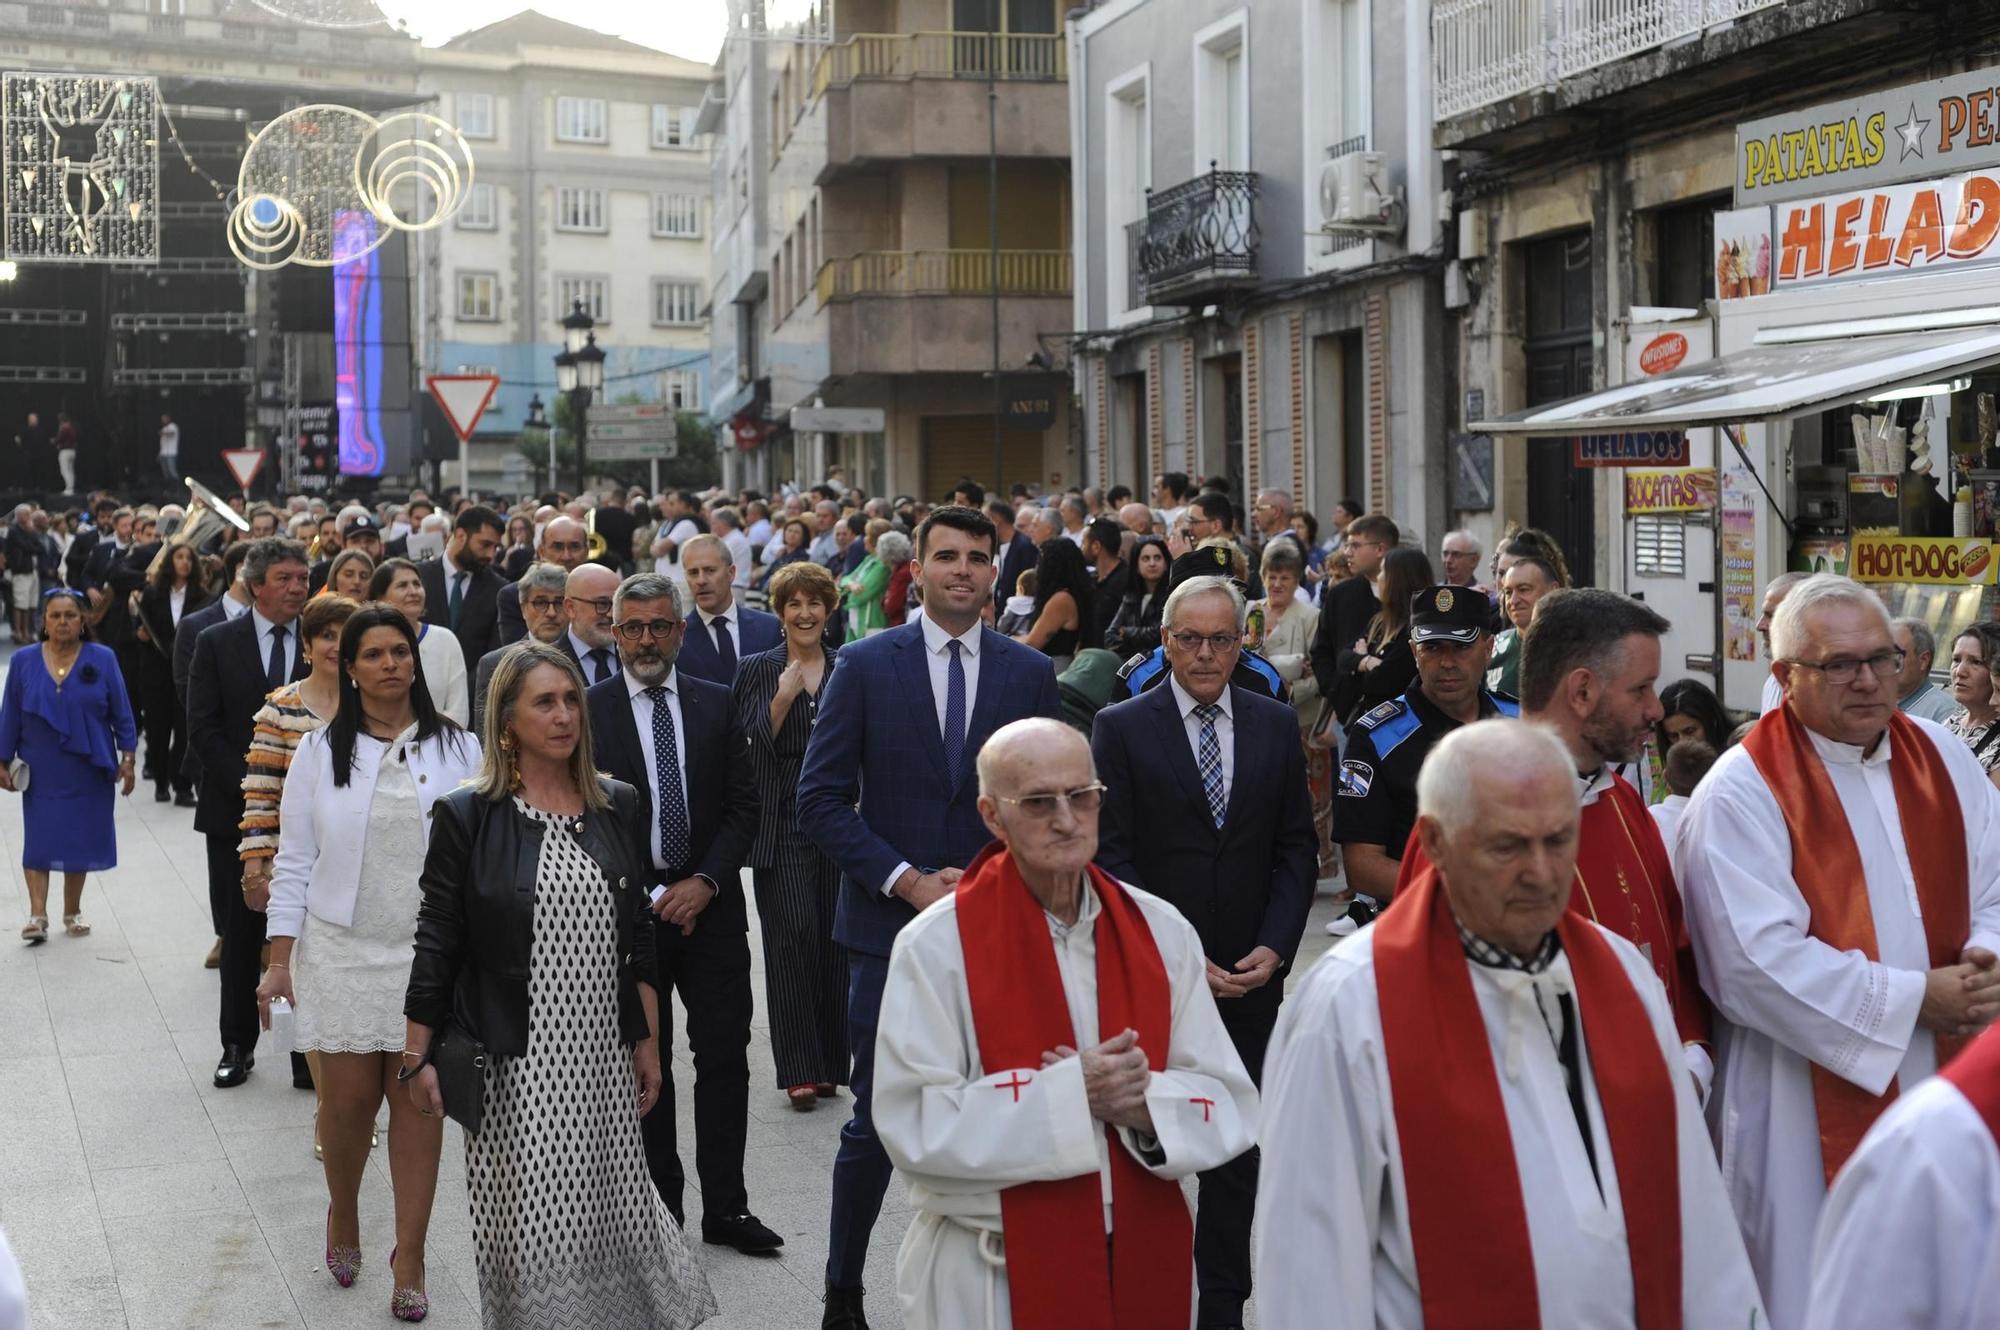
(1842, 873)
(565, 543)
(678, 741)
(1012, 1124)
(1206, 805)
(587, 604)
(541, 594)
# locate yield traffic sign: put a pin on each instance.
(464, 398)
(244, 464)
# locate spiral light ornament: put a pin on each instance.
(264, 231)
(414, 170)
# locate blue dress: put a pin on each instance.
(70, 737)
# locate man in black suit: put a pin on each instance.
(1346, 607)
(616, 524)
(461, 590)
(720, 633)
(677, 739)
(103, 515)
(1017, 550)
(1206, 805)
(232, 603)
(235, 664)
(542, 592)
(564, 542)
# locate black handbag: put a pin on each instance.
(460, 1059)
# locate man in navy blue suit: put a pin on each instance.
(901, 722)
(719, 634)
(1206, 805)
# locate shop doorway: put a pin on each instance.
(1561, 496)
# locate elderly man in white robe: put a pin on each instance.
(1022, 1154)
(1476, 1110)
(1841, 875)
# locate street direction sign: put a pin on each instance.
(632, 413)
(603, 430)
(632, 450)
(464, 398)
(838, 419)
(244, 464)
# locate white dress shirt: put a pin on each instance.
(264, 629)
(642, 717)
(937, 657)
(1225, 733)
(234, 609)
(176, 602)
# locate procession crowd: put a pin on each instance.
(1644, 1013)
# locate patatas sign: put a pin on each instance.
(1917, 132)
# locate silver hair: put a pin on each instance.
(1447, 788)
(1281, 555)
(892, 548)
(696, 542)
(1203, 586)
(647, 586)
(1789, 633)
(1470, 538)
(1922, 641)
(544, 577)
(727, 514)
(268, 552)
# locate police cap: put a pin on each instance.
(1207, 561)
(1448, 614)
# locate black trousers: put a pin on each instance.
(242, 940)
(1228, 1196)
(166, 722)
(710, 969)
(133, 667)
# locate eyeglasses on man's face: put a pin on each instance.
(602, 604)
(660, 629)
(1844, 671)
(543, 604)
(1192, 643)
(1042, 807)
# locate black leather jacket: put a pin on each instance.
(475, 928)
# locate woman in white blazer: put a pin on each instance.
(354, 825)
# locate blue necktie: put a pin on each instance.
(275, 672)
(1208, 753)
(954, 712)
(725, 645)
(667, 778)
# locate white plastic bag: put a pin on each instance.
(278, 1042)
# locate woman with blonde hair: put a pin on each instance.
(534, 960)
(348, 575)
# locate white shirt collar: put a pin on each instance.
(635, 689)
(264, 625)
(728, 616)
(581, 647)
(1832, 751)
(1086, 912)
(1597, 783)
(1184, 701)
(935, 638)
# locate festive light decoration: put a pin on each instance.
(313, 165)
(326, 13)
(81, 158)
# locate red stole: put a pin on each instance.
(1826, 866)
(1976, 1073)
(1625, 882)
(1056, 1267)
(1468, 1221)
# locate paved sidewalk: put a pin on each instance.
(135, 1194)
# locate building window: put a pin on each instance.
(582, 120)
(673, 126)
(677, 215)
(676, 304)
(1222, 96)
(579, 208)
(480, 212)
(1684, 253)
(1128, 173)
(681, 389)
(590, 290)
(479, 297)
(475, 115)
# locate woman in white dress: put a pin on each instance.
(354, 825)
(396, 583)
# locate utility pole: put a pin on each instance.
(993, 223)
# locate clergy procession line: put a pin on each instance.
(1578, 1060)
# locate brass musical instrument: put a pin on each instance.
(206, 516)
(597, 542)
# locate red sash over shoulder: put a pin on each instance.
(1468, 1221)
(1826, 866)
(1976, 1073)
(1057, 1271)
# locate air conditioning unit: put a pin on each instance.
(1355, 195)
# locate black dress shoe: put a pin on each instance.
(843, 1309)
(743, 1232)
(186, 799)
(161, 794)
(302, 1072)
(234, 1069)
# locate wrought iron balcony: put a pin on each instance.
(1201, 237)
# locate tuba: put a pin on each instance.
(597, 542)
(206, 516)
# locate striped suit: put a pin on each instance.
(798, 888)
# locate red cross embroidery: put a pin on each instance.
(1206, 1104)
(1015, 1085)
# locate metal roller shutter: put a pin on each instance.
(957, 447)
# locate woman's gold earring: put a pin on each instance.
(513, 764)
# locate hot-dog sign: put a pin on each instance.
(1929, 560)
(1684, 490)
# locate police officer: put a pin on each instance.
(1376, 807)
(1252, 671)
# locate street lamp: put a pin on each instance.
(579, 373)
(537, 420)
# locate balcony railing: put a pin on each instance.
(1201, 235)
(1485, 51)
(1035, 57)
(944, 272)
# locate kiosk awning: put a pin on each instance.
(1763, 383)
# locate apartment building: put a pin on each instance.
(1257, 233)
(866, 274)
(592, 185)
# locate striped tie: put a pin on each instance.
(1208, 754)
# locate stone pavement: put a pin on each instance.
(136, 1194)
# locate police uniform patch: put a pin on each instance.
(1381, 713)
(1444, 600)
(1355, 779)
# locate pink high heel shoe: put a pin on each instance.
(408, 1304)
(343, 1263)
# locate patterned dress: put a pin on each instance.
(1983, 740)
(567, 1226)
